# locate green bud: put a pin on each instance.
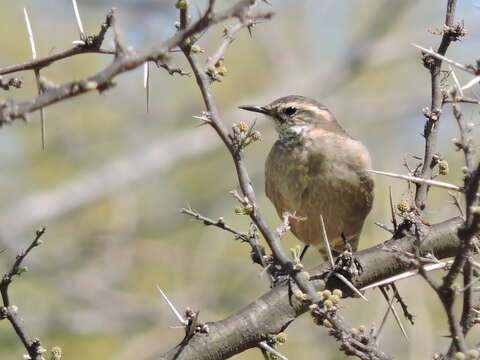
(222, 70)
(328, 303)
(56, 352)
(299, 295)
(335, 299)
(298, 266)
(281, 338)
(239, 210)
(181, 4)
(403, 206)
(443, 167)
(196, 49)
(256, 136)
(91, 85)
(472, 354)
(22, 270)
(242, 126)
(475, 210)
(338, 292)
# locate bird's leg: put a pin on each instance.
(304, 251)
(347, 263)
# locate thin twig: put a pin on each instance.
(229, 36)
(466, 138)
(10, 311)
(250, 238)
(430, 132)
(464, 99)
(218, 223)
(457, 204)
(392, 210)
(103, 79)
(403, 304)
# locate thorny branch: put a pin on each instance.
(257, 251)
(92, 44)
(338, 328)
(446, 289)
(124, 60)
(9, 311)
(451, 32)
(274, 311)
(361, 346)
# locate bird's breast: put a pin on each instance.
(325, 175)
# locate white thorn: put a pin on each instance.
(418, 180)
(327, 244)
(30, 34)
(391, 307)
(407, 274)
(79, 20)
(172, 307)
(146, 74)
(471, 83)
(441, 57)
(457, 83)
(350, 285)
(271, 350)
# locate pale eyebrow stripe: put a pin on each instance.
(313, 108)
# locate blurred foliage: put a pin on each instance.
(91, 288)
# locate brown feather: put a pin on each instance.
(325, 176)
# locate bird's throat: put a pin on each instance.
(289, 134)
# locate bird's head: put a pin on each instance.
(295, 115)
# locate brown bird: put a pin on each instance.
(315, 168)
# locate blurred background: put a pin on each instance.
(111, 182)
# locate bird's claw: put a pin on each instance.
(348, 264)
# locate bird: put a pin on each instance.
(315, 168)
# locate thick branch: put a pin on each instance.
(275, 310)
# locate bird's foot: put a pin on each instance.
(348, 264)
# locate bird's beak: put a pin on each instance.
(255, 108)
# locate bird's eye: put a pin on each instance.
(290, 110)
